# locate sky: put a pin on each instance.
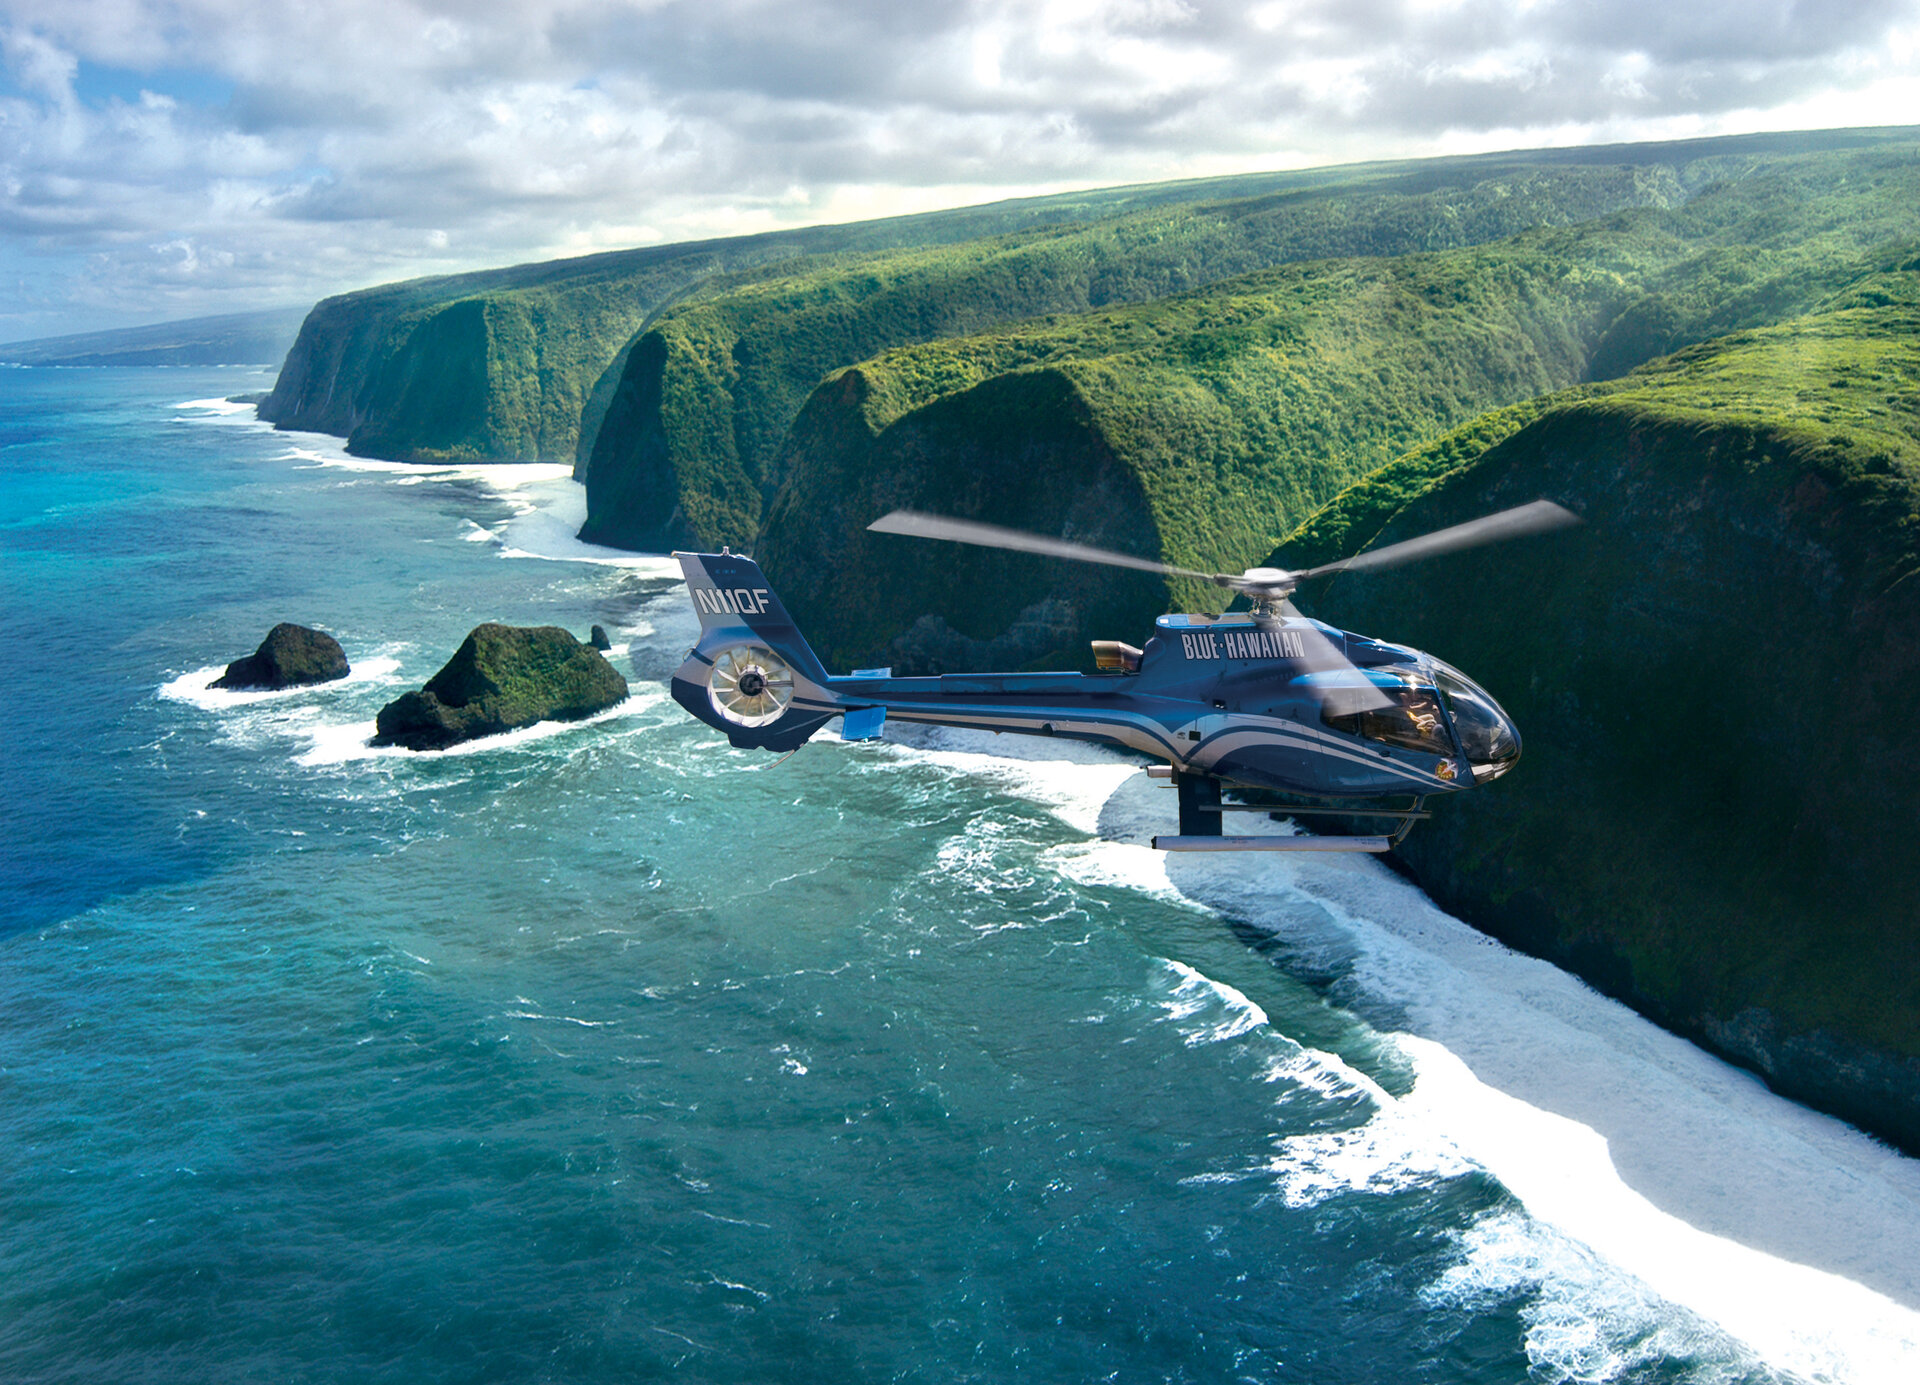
(171, 158)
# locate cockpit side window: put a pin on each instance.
(1414, 721)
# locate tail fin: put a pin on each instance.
(751, 675)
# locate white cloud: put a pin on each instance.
(373, 139)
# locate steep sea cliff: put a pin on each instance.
(1718, 677)
(692, 443)
(519, 363)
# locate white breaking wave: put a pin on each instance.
(217, 411)
(547, 505)
(317, 449)
(1069, 778)
(308, 721)
(193, 687)
(1198, 995)
(504, 479)
(547, 526)
(1584, 1320)
(338, 743)
(1628, 1147)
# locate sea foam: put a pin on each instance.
(1789, 1231)
(340, 742)
(195, 688)
(217, 410)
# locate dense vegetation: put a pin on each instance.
(689, 450)
(1718, 679)
(494, 365)
(1234, 411)
(502, 678)
(504, 364)
(706, 397)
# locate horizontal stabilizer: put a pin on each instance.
(863, 724)
(1271, 843)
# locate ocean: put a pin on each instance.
(604, 1052)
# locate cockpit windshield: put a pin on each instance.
(1485, 732)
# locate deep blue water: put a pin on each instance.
(609, 1054)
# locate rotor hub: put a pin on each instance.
(1275, 580)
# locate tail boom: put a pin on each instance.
(751, 674)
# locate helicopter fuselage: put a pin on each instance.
(1231, 698)
(1281, 702)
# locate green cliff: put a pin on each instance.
(1717, 679)
(1218, 420)
(688, 450)
(706, 395)
(504, 364)
(492, 366)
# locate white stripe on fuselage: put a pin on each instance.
(1137, 731)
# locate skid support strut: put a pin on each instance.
(1201, 812)
(1199, 804)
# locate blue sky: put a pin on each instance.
(168, 158)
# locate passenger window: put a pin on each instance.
(1414, 722)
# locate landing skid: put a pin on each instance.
(1201, 812)
(1224, 843)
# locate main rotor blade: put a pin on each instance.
(925, 526)
(1542, 516)
(1323, 655)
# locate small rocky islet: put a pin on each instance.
(291, 656)
(502, 678)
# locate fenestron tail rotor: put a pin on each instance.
(750, 685)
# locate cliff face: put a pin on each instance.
(490, 366)
(706, 395)
(534, 345)
(1233, 411)
(1716, 680)
(705, 409)
(1191, 407)
(1023, 448)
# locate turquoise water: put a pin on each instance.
(608, 1053)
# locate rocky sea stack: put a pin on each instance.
(503, 677)
(291, 656)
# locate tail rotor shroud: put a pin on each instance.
(750, 685)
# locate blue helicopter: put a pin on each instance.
(1265, 699)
